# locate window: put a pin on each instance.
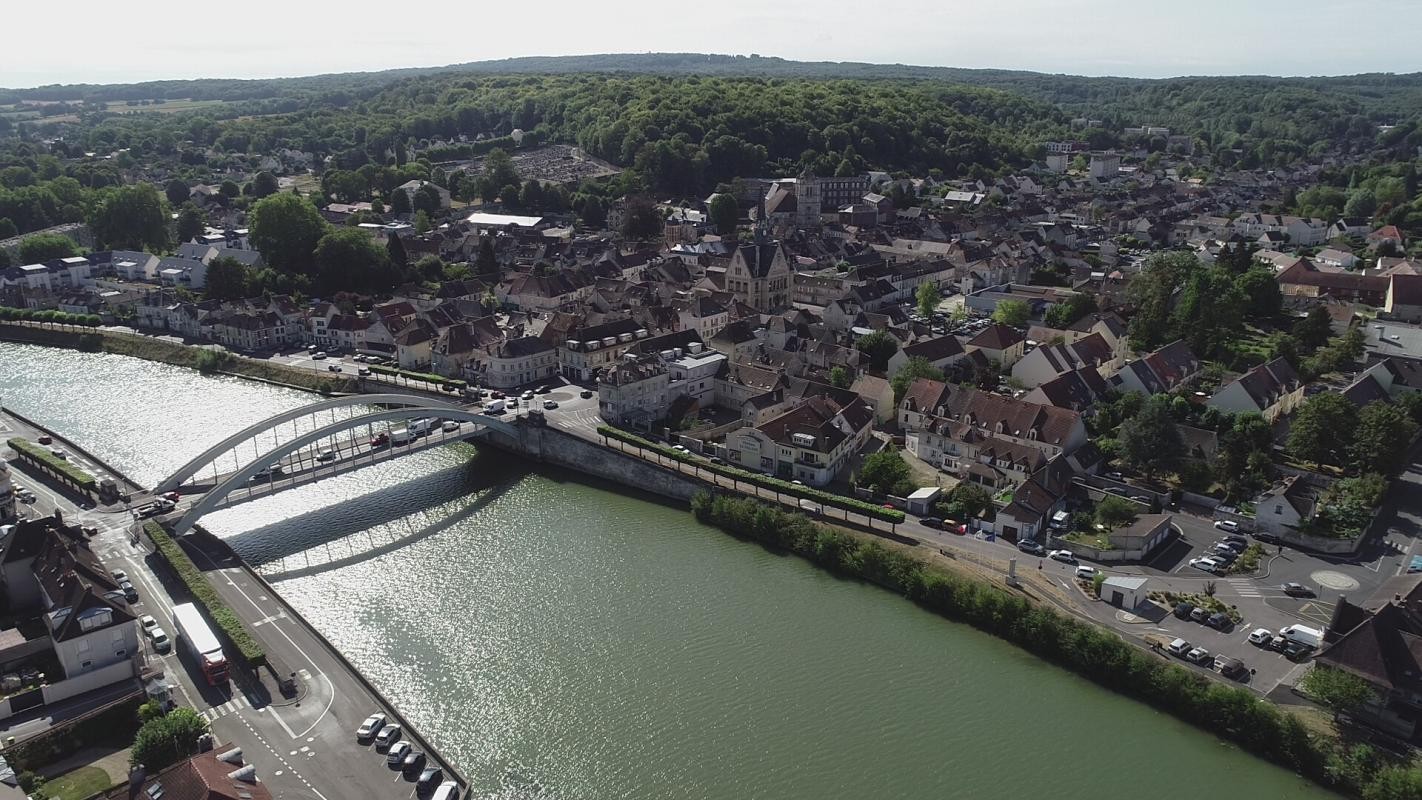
(1279, 509)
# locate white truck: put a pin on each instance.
(495, 407)
(401, 436)
(1313, 637)
(192, 630)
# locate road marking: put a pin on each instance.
(1244, 587)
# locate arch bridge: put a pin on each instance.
(239, 468)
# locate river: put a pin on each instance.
(559, 639)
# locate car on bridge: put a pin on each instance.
(326, 455)
(380, 440)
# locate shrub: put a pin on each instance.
(428, 377)
(205, 595)
(826, 498)
(53, 463)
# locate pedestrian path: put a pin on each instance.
(230, 707)
(1244, 587)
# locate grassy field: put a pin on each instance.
(80, 784)
(30, 110)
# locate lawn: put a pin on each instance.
(80, 784)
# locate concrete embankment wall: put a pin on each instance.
(552, 446)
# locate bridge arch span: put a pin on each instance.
(206, 457)
(239, 479)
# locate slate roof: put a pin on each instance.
(996, 337)
(1381, 641)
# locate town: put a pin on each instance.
(1185, 390)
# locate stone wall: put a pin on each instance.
(552, 446)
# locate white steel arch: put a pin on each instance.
(238, 480)
(207, 456)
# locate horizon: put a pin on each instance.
(1115, 39)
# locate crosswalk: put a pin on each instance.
(1244, 587)
(230, 707)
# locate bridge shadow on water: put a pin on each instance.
(427, 495)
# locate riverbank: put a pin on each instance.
(163, 351)
(1258, 726)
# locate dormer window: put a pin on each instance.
(95, 618)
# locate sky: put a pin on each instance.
(101, 41)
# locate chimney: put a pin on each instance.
(136, 776)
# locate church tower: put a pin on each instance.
(807, 200)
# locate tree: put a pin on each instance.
(176, 191)
(1340, 691)
(1151, 292)
(486, 263)
(641, 219)
(428, 199)
(422, 221)
(917, 367)
(1381, 440)
(1261, 293)
(966, 501)
(1063, 314)
(166, 740)
(229, 189)
(531, 195)
(1013, 313)
(594, 212)
(192, 222)
(227, 279)
(1323, 428)
(131, 218)
(927, 297)
(885, 472)
(348, 259)
(396, 250)
(285, 230)
(264, 185)
(42, 247)
(1313, 330)
(840, 378)
(431, 268)
(1149, 440)
(1113, 512)
(498, 172)
(724, 213)
(399, 202)
(879, 347)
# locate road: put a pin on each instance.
(302, 747)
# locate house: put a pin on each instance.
(759, 275)
(1272, 389)
(1124, 591)
(811, 443)
(591, 348)
(1000, 344)
(1049, 361)
(633, 392)
(219, 774)
(1033, 503)
(1333, 257)
(702, 314)
(1378, 641)
(1304, 279)
(1077, 390)
(940, 352)
(1404, 297)
(1161, 371)
(1287, 505)
(515, 362)
(1387, 235)
(410, 188)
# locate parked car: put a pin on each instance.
(414, 762)
(1179, 647)
(159, 637)
(932, 522)
(1268, 538)
(1199, 614)
(1227, 525)
(1229, 667)
(430, 777)
(449, 790)
(1199, 655)
(311, 348)
(1260, 637)
(1086, 573)
(371, 727)
(1206, 563)
(395, 756)
(119, 575)
(387, 736)
(1031, 547)
(147, 622)
(1220, 621)
(1064, 556)
(1294, 651)
(1231, 545)
(1296, 590)
(585, 394)
(1277, 643)
(1183, 610)
(319, 355)
(129, 593)
(1237, 539)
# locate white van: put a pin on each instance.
(421, 426)
(1312, 637)
(401, 436)
(494, 407)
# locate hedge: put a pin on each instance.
(1229, 712)
(202, 591)
(817, 495)
(50, 461)
(428, 377)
